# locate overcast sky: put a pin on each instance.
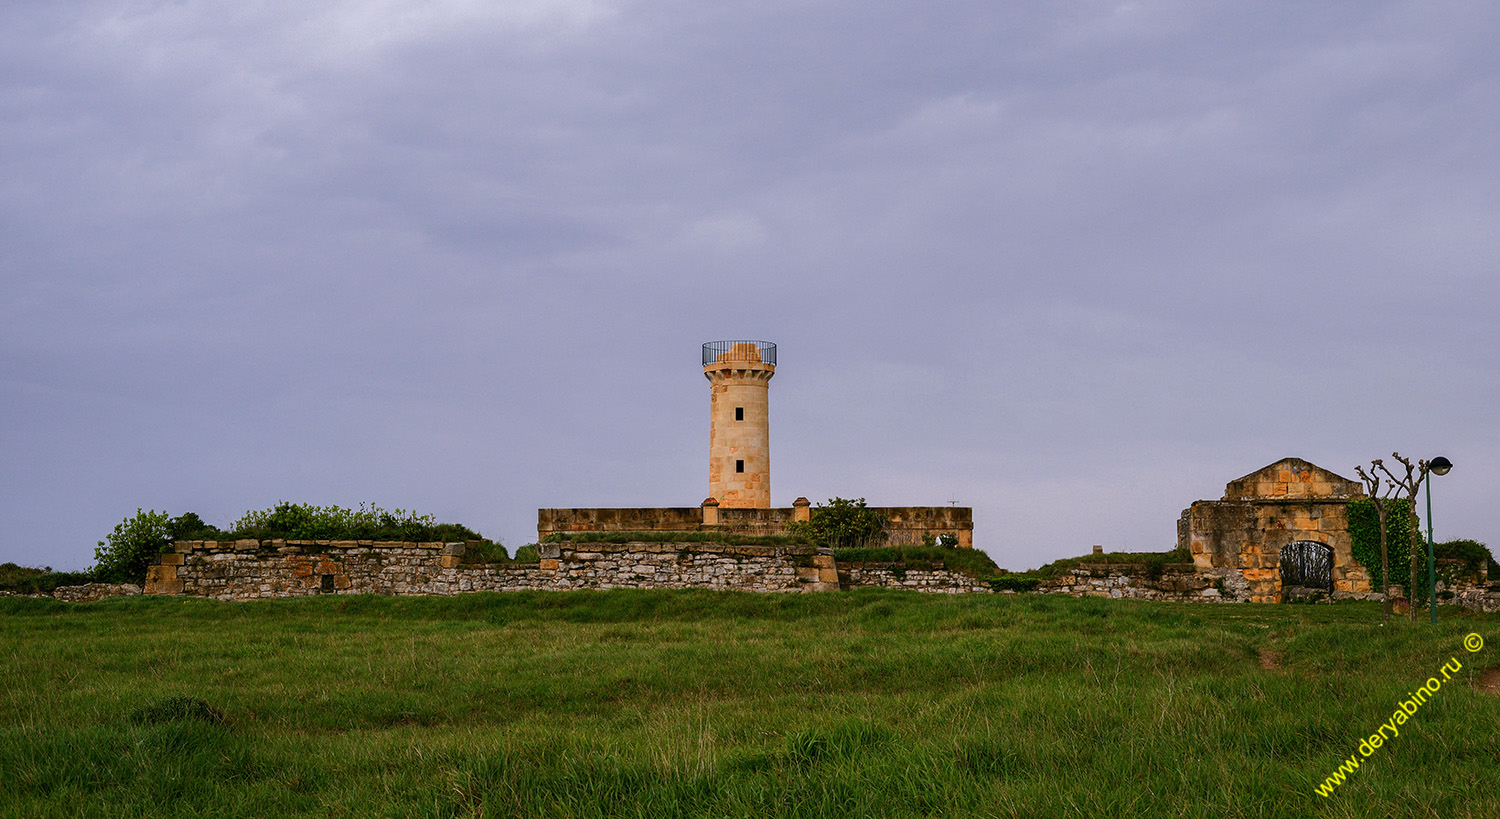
(1073, 264)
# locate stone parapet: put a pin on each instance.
(907, 525)
(1176, 582)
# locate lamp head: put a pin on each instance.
(1439, 465)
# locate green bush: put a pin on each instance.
(189, 526)
(1474, 554)
(842, 524)
(299, 521)
(1013, 582)
(1364, 532)
(122, 557)
(125, 554)
(25, 580)
(486, 551)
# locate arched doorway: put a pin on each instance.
(1306, 566)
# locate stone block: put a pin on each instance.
(824, 561)
(434, 546)
(828, 575)
(548, 564)
(164, 587)
(172, 559)
(449, 561)
(246, 545)
(165, 573)
(341, 581)
(454, 549)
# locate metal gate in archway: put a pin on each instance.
(1307, 564)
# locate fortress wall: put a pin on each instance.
(1178, 582)
(249, 569)
(908, 524)
(252, 570)
(893, 576)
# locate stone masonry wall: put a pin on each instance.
(1178, 582)
(907, 524)
(1263, 512)
(249, 569)
(894, 576)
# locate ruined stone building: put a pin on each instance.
(1280, 530)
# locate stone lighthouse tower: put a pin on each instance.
(739, 439)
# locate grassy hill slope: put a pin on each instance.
(702, 703)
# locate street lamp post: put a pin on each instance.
(1437, 466)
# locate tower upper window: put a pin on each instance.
(739, 413)
(739, 466)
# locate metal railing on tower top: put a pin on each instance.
(720, 352)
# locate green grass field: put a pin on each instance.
(700, 703)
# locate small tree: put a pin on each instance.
(122, 557)
(843, 524)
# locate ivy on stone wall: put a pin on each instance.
(1364, 531)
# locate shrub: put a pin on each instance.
(299, 521)
(134, 544)
(189, 526)
(1364, 534)
(25, 580)
(1013, 582)
(842, 524)
(1474, 554)
(486, 551)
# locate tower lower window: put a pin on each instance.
(739, 466)
(739, 413)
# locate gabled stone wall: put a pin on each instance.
(1260, 513)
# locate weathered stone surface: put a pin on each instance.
(90, 592)
(908, 525)
(233, 573)
(1177, 582)
(1267, 510)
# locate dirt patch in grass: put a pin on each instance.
(1269, 660)
(1489, 681)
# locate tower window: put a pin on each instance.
(739, 466)
(739, 413)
